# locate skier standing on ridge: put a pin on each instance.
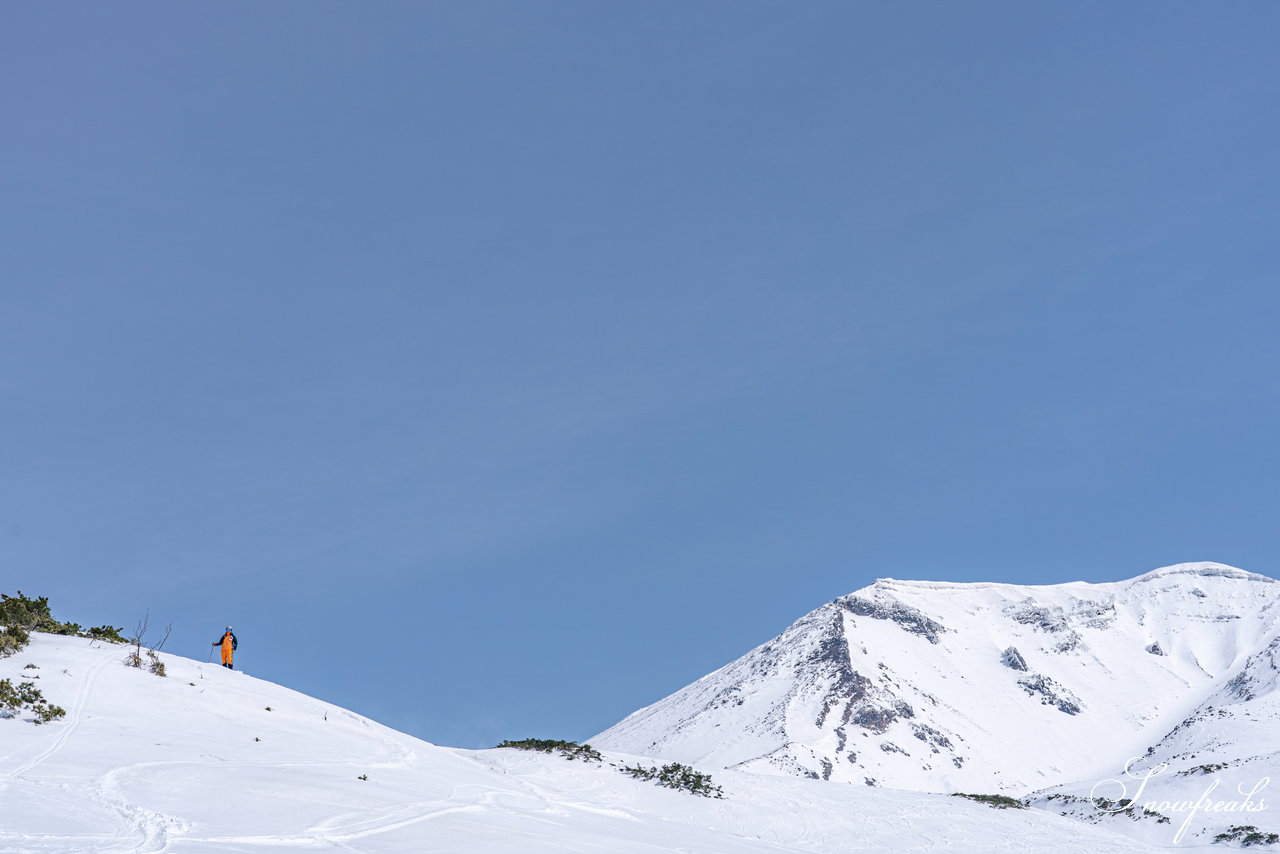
(228, 643)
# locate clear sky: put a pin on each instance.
(497, 368)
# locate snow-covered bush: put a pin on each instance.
(13, 699)
(12, 639)
(568, 749)
(1001, 802)
(21, 614)
(1247, 835)
(677, 776)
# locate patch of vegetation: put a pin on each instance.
(568, 749)
(1110, 805)
(1247, 835)
(673, 776)
(677, 776)
(110, 634)
(14, 699)
(1000, 802)
(12, 639)
(22, 614)
(1127, 807)
(1203, 769)
(134, 658)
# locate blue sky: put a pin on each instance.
(498, 368)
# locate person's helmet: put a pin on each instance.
(228, 628)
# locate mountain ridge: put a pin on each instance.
(209, 760)
(979, 686)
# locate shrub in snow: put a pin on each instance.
(13, 699)
(12, 639)
(677, 776)
(24, 614)
(1207, 768)
(134, 658)
(1000, 802)
(1247, 835)
(568, 749)
(110, 634)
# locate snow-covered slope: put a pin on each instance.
(1210, 772)
(990, 687)
(207, 760)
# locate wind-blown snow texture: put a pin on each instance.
(948, 687)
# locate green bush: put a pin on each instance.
(1203, 769)
(1247, 835)
(1001, 802)
(12, 639)
(110, 634)
(677, 776)
(24, 696)
(27, 613)
(568, 749)
(21, 614)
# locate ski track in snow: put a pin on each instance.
(69, 729)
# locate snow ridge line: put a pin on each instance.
(77, 713)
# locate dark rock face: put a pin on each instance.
(878, 718)
(905, 616)
(1012, 658)
(1050, 693)
(1045, 619)
(1154, 648)
(931, 737)
(852, 697)
(1259, 675)
(1241, 686)
(831, 657)
(1061, 622)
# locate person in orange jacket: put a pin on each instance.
(228, 643)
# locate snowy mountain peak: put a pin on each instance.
(945, 686)
(1206, 569)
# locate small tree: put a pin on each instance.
(134, 658)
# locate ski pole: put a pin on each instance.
(210, 658)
